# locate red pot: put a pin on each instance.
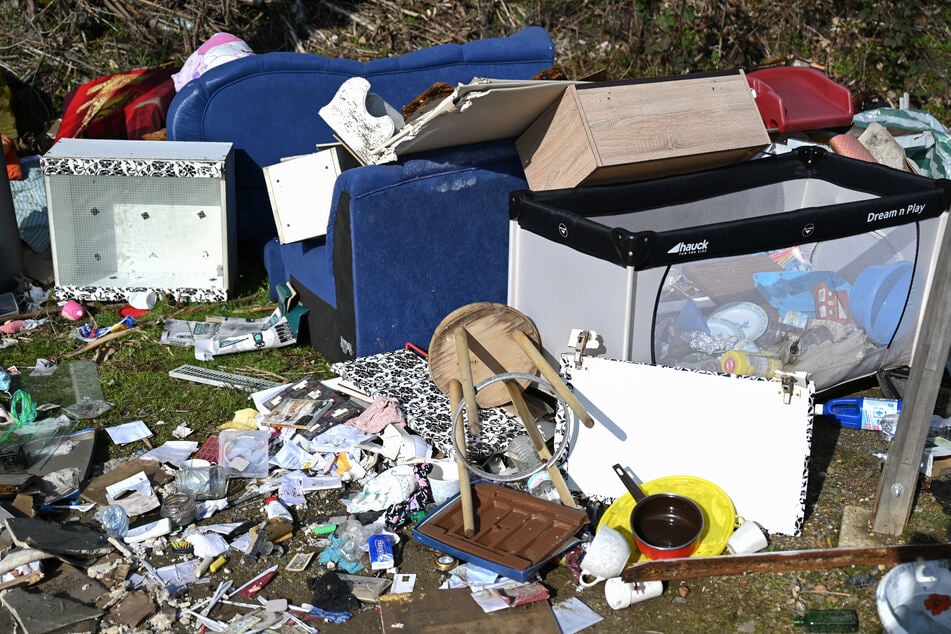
(664, 525)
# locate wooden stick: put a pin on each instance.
(95, 343)
(551, 375)
(784, 561)
(465, 487)
(461, 337)
(538, 442)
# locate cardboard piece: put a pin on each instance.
(738, 432)
(95, 490)
(621, 131)
(471, 114)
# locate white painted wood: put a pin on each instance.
(361, 119)
(301, 188)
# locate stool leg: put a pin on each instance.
(552, 376)
(461, 337)
(465, 488)
(538, 442)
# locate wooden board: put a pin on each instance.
(492, 350)
(782, 561)
(620, 131)
(455, 612)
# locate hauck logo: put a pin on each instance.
(689, 248)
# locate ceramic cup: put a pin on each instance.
(73, 310)
(620, 594)
(143, 300)
(606, 556)
(748, 538)
(444, 480)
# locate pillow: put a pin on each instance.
(97, 109)
(217, 50)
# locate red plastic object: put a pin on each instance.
(798, 98)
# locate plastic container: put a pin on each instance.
(878, 297)
(244, 453)
(273, 507)
(202, 479)
(179, 508)
(859, 412)
(742, 362)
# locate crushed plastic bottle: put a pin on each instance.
(939, 426)
(114, 520)
(541, 486)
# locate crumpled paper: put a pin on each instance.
(386, 489)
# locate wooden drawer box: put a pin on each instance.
(614, 132)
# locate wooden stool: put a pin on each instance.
(481, 340)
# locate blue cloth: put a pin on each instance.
(29, 205)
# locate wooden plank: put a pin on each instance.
(899, 479)
(454, 611)
(784, 561)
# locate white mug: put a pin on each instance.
(620, 594)
(748, 538)
(143, 300)
(606, 556)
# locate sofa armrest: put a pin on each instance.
(408, 243)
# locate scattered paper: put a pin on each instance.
(204, 510)
(573, 615)
(173, 452)
(226, 335)
(403, 582)
(339, 439)
(129, 432)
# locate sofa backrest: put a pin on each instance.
(266, 104)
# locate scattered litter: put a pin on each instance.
(129, 432)
(573, 615)
(173, 452)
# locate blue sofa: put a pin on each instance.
(407, 242)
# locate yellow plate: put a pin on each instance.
(719, 514)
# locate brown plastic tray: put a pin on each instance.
(513, 529)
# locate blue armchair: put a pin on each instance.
(407, 242)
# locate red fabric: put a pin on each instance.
(147, 113)
(12, 159)
(112, 106)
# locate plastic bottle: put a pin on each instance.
(859, 412)
(274, 508)
(939, 426)
(114, 520)
(828, 621)
(742, 362)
